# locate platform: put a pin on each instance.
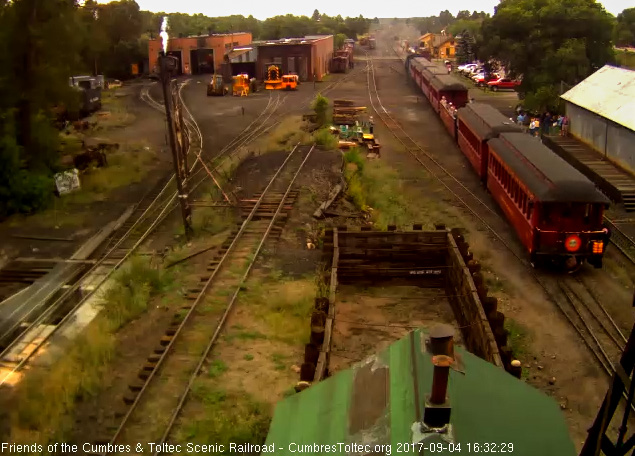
(616, 183)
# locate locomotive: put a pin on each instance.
(556, 211)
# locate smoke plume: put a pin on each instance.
(164, 34)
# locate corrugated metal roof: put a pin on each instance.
(610, 93)
(379, 401)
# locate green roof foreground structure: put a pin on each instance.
(378, 407)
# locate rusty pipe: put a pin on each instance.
(440, 378)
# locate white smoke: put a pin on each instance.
(164, 34)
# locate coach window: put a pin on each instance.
(587, 213)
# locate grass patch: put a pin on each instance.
(113, 113)
(287, 134)
(130, 164)
(135, 285)
(284, 307)
(216, 368)
(210, 221)
(226, 418)
(517, 339)
(46, 397)
(244, 335)
(248, 357)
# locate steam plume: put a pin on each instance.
(164, 34)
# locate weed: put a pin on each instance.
(211, 221)
(324, 137)
(245, 335)
(279, 361)
(134, 286)
(216, 368)
(45, 396)
(248, 357)
(244, 421)
(288, 133)
(494, 283)
(517, 338)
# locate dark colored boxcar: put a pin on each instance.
(556, 211)
(449, 87)
(478, 123)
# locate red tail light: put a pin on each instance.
(573, 243)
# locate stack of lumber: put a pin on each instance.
(345, 112)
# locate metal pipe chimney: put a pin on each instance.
(440, 378)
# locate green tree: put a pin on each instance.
(316, 15)
(546, 42)
(465, 48)
(338, 40)
(624, 33)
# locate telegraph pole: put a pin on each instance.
(167, 65)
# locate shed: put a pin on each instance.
(601, 110)
(380, 401)
(305, 57)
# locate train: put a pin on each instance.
(556, 211)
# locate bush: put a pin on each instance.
(320, 106)
(324, 137)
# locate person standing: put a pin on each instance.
(565, 126)
(532, 126)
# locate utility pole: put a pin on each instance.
(167, 65)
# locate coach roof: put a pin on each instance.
(546, 175)
(486, 121)
(448, 82)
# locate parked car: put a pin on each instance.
(113, 83)
(503, 83)
(464, 69)
(481, 79)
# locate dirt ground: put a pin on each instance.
(549, 347)
(370, 319)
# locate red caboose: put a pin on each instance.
(477, 124)
(556, 211)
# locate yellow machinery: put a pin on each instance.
(274, 79)
(217, 86)
(289, 82)
(241, 85)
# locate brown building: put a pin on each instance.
(305, 57)
(198, 54)
(440, 46)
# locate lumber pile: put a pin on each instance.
(345, 112)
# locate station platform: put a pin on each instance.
(616, 183)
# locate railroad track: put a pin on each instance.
(573, 298)
(176, 362)
(150, 212)
(20, 341)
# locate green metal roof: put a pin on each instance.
(380, 400)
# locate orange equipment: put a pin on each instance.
(290, 82)
(273, 81)
(241, 85)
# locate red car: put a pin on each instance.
(503, 84)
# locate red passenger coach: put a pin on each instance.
(477, 124)
(427, 76)
(556, 211)
(449, 87)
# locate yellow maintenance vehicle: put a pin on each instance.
(290, 82)
(217, 86)
(242, 85)
(274, 78)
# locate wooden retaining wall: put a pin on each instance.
(436, 259)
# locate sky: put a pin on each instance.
(262, 9)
